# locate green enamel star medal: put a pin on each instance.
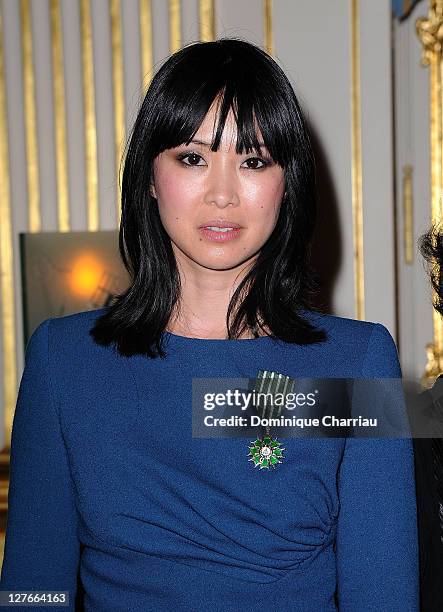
(266, 451)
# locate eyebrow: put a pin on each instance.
(208, 144)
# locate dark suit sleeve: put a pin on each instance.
(41, 547)
(377, 543)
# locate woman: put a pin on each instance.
(427, 427)
(106, 477)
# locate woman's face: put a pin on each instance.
(196, 187)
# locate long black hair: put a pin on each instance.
(281, 284)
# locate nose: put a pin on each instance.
(221, 187)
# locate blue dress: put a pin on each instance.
(112, 498)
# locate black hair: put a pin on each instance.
(431, 248)
(242, 77)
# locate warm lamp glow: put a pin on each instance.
(86, 273)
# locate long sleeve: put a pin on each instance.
(377, 540)
(41, 548)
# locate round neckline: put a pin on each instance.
(169, 334)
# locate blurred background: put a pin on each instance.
(72, 76)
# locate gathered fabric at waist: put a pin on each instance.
(117, 579)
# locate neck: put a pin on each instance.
(205, 294)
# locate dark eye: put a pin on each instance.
(193, 157)
(254, 161)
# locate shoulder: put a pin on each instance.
(347, 329)
(69, 355)
(64, 336)
(367, 343)
(79, 322)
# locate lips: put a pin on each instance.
(220, 223)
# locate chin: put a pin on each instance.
(221, 261)
(214, 257)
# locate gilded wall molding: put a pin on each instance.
(357, 195)
(119, 101)
(90, 123)
(32, 166)
(6, 263)
(59, 118)
(147, 62)
(207, 20)
(430, 33)
(408, 215)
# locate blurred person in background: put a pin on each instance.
(428, 452)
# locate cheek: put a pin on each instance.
(265, 198)
(168, 190)
(176, 195)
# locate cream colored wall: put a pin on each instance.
(312, 42)
(378, 163)
(413, 148)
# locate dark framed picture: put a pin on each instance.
(68, 272)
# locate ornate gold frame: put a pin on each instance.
(430, 32)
